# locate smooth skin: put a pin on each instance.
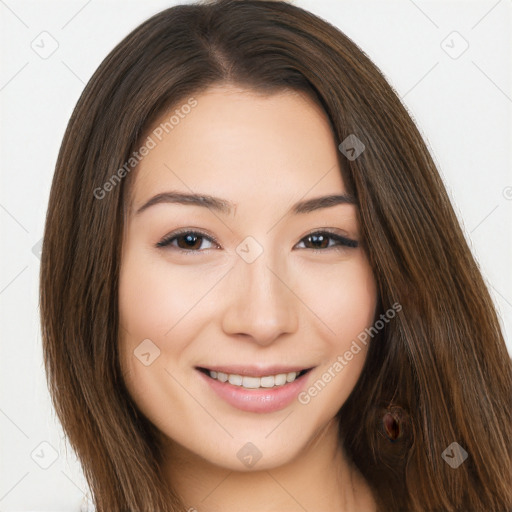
(298, 303)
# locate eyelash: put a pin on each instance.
(342, 242)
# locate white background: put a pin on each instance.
(462, 106)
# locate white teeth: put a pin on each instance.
(290, 377)
(251, 382)
(236, 380)
(280, 379)
(268, 381)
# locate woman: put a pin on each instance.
(332, 347)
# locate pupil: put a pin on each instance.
(190, 240)
(318, 238)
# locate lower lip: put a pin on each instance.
(257, 400)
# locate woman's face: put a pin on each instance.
(264, 299)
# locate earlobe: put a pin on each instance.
(394, 422)
(392, 427)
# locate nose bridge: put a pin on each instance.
(260, 303)
(263, 283)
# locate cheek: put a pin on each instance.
(347, 306)
(153, 296)
(344, 298)
(151, 306)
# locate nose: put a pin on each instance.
(260, 301)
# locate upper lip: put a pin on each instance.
(254, 370)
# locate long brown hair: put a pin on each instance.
(438, 373)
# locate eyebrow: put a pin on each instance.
(224, 206)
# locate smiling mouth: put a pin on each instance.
(248, 382)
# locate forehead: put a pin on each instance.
(240, 144)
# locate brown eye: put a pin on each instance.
(189, 241)
(320, 240)
(186, 240)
